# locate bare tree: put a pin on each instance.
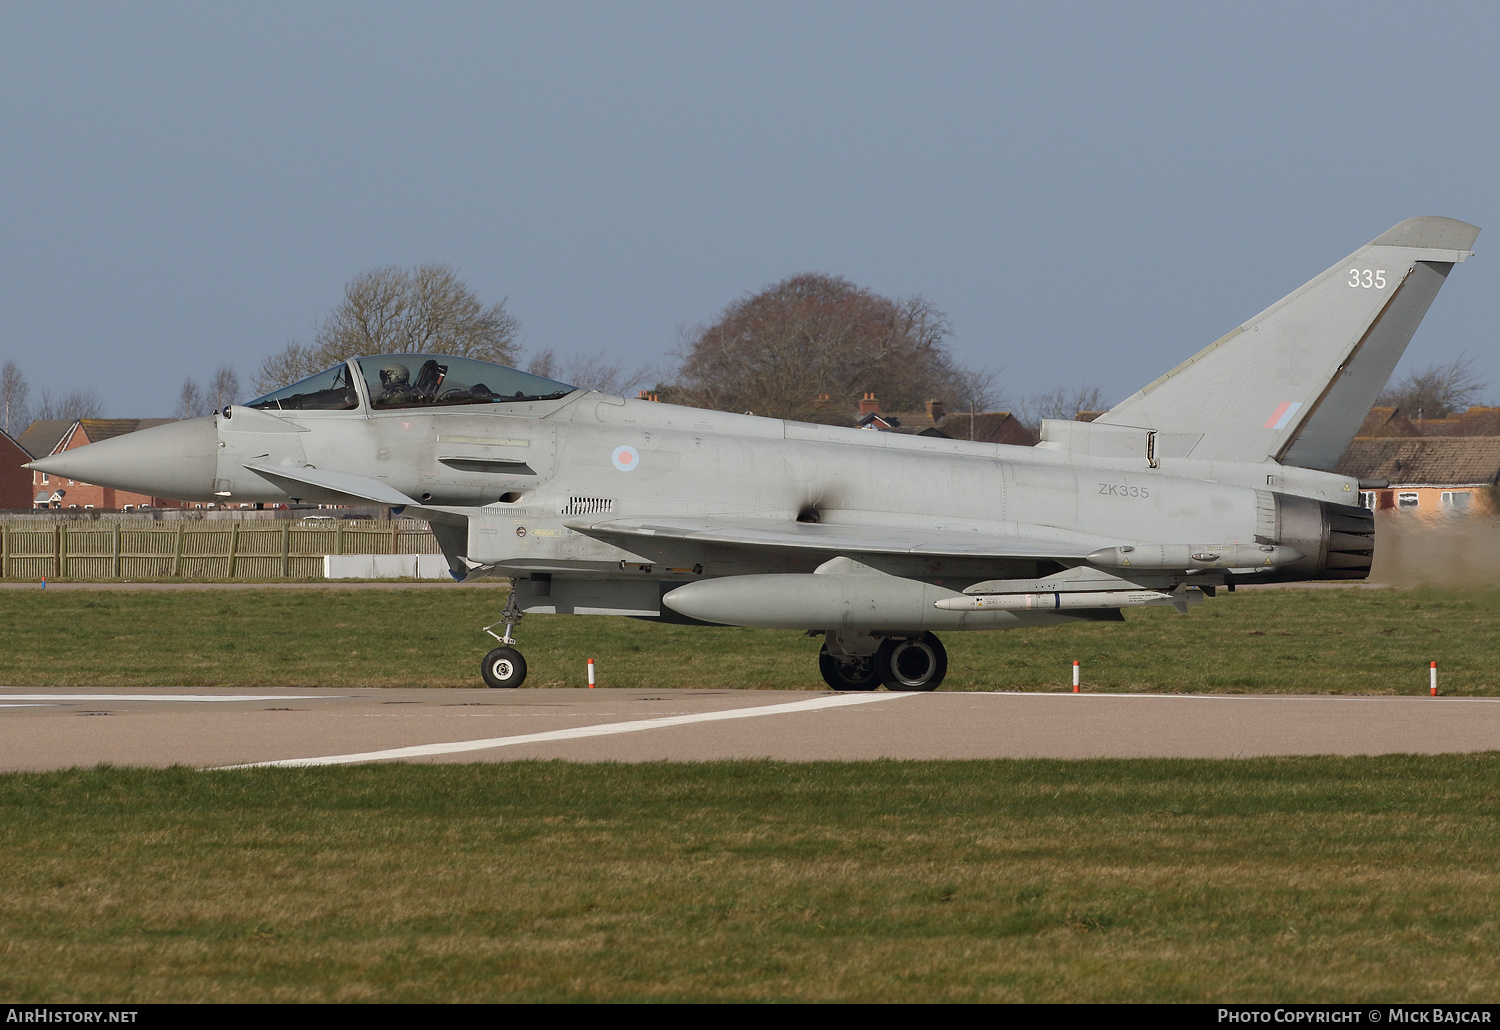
(224, 387)
(592, 372)
(975, 390)
(1060, 403)
(190, 401)
(777, 352)
(597, 372)
(74, 404)
(424, 310)
(293, 362)
(13, 392)
(1437, 391)
(544, 363)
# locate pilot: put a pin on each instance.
(395, 382)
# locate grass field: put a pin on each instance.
(1299, 641)
(1317, 879)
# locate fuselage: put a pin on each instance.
(562, 492)
(545, 466)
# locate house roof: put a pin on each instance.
(1425, 460)
(1387, 422)
(97, 429)
(907, 421)
(1477, 421)
(41, 437)
(988, 427)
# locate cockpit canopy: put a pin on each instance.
(413, 381)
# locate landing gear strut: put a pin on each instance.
(504, 667)
(858, 661)
(856, 672)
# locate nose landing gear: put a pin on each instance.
(504, 667)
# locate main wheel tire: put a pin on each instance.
(919, 663)
(858, 674)
(503, 667)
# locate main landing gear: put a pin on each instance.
(504, 667)
(857, 661)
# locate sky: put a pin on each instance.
(1091, 191)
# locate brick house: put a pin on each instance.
(936, 420)
(15, 481)
(1427, 475)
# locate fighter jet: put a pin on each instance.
(1217, 473)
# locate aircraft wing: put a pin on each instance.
(1006, 540)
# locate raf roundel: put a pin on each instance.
(625, 458)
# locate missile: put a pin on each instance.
(1195, 556)
(1071, 599)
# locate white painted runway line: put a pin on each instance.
(1232, 697)
(597, 730)
(57, 698)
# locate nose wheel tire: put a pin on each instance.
(857, 674)
(916, 664)
(503, 667)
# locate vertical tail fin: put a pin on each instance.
(1294, 383)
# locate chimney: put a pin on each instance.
(869, 406)
(935, 411)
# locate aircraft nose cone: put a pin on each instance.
(175, 460)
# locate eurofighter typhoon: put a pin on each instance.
(1217, 473)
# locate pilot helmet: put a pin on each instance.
(394, 375)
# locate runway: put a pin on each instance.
(218, 728)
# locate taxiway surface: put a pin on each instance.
(208, 728)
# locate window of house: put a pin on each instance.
(1406, 499)
(1456, 500)
(1367, 499)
